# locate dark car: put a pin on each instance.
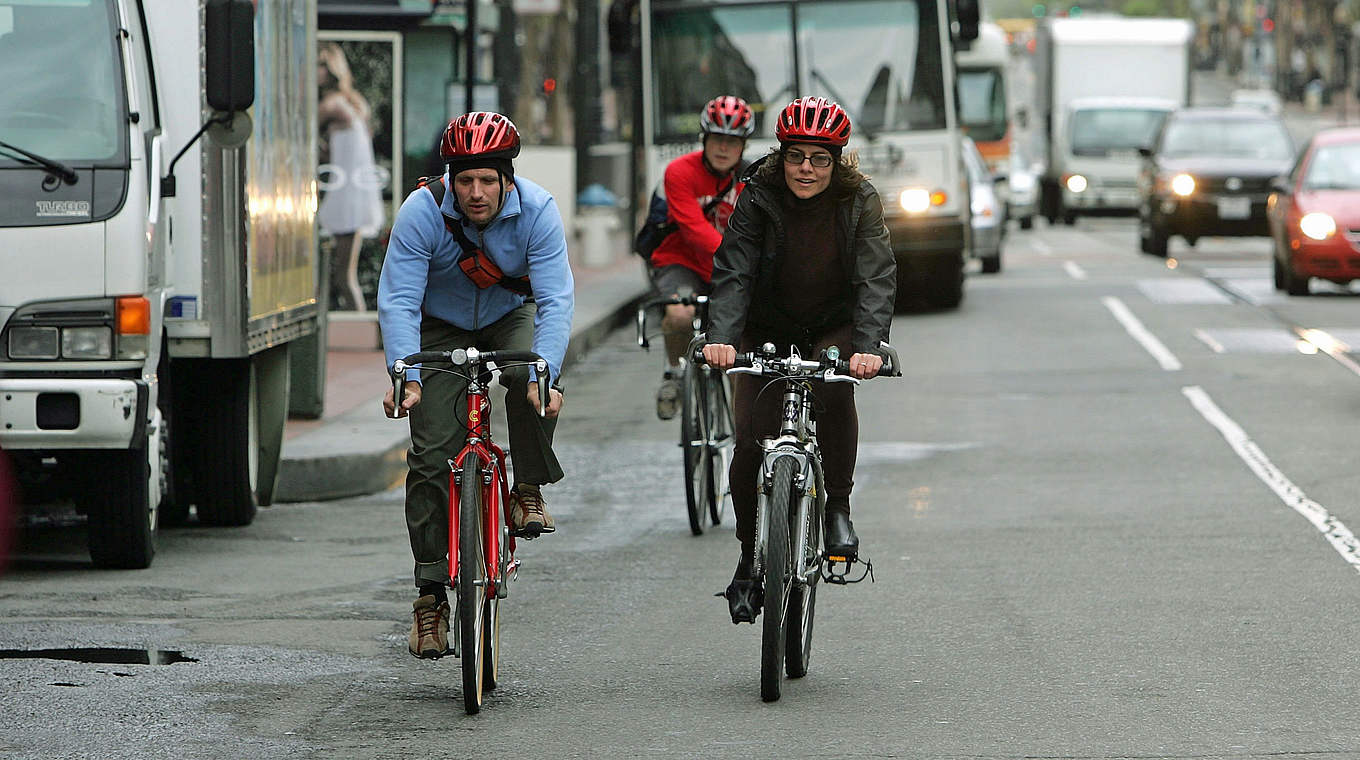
(1209, 172)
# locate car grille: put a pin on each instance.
(1220, 185)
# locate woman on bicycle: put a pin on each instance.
(806, 262)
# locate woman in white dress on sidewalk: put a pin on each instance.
(352, 206)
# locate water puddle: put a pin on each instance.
(100, 655)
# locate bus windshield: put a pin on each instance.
(63, 93)
(880, 59)
(1102, 131)
(982, 104)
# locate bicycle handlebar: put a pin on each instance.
(764, 361)
(690, 300)
(461, 357)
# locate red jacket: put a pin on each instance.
(689, 186)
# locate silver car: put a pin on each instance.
(988, 212)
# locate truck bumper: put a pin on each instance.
(72, 413)
(913, 237)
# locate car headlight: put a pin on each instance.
(1182, 184)
(915, 200)
(1317, 225)
(1076, 183)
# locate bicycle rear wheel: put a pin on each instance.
(721, 439)
(803, 596)
(471, 586)
(694, 442)
(778, 569)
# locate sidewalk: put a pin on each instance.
(354, 449)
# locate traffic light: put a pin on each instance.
(1267, 25)
(1040, 10)
(1074, 11)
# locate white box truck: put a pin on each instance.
(1104, 84)
(157, 254)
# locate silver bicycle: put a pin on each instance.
(791, 502)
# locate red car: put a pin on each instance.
(1314, 214)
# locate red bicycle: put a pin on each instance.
(481, 549)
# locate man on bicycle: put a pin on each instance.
(439, 290)
(832, 280)
(701, 190)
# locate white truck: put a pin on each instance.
(157, 254)
(1103, 85)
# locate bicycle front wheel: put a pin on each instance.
(803, 595)
(694, 442)
(471, 586)
(778, 572)
(721, 438)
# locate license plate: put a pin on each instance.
(1234, 208)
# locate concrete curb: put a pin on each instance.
(362, 452)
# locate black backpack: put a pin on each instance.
(658, 226)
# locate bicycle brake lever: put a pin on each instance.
(398, 386)
(642, 341)
(541, 368)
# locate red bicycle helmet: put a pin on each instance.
(813, 120)
(480, 134)
(727, 115)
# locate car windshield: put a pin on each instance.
(1102, 131)
(880, 59)
(982, 103)
(63, 92)
(1227, 138)
(1334, 167)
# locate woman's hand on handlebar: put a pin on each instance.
(411, 397)
(720, 355)
(865, 366)
(554, 400)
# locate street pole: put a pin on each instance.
(471, 44)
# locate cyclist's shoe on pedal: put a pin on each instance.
(668, 396)
(841, 540)
(529, 512)
(744, 594)
(429, 637)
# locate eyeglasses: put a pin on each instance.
(797, 157)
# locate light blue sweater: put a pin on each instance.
(420, 273)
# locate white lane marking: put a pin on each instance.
(1337, 534)
(1040, 246)
(1209, 341)
(1074, 270)
(1141, 334)
(1331, 346)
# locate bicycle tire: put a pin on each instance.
(777, 570)
(491, 665)
(803, 596)
(721, 439)
(693, 441)
(471, 586)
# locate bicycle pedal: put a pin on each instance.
(838, 569)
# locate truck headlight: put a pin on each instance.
(915, 200)
(86, 343)
(1182, 184)
(1076, 183)
(34, 342)
(1317, 225)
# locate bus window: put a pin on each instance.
(982, 104)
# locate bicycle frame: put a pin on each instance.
(495, 490)
(797, 439)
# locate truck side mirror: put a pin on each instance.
(1145, 152)
(229, 66)
(967, 15)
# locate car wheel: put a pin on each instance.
(1027, 223)
(1294, 284)
(1158, 240)
(991, 264)
(1278, 268)
(1069, 218)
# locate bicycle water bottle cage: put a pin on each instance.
(841, 571)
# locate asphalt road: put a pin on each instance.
(1073, 560)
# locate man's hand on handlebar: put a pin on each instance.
(720, 355)
(411, 397)
(554, 400)
(865, 366)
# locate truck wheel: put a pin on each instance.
(991, 264)
(122, 498)
(1157, 241)
(945, 290)
(226, 442)
(1069, 218)
(1027, 223)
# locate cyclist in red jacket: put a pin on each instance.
(701, 190)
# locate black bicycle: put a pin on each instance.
(791, 502)
(706, 431)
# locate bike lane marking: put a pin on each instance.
(1337, 534)
(1145, 338)
(1074, 270)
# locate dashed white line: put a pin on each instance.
(1040, 246)
(1146, 339)
(1336, 533)
(1074, 270)
(1209, 341)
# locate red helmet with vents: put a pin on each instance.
(727, 115)
(813, 120)
(480, 134)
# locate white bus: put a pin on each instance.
(983, 107)
(889, 63)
